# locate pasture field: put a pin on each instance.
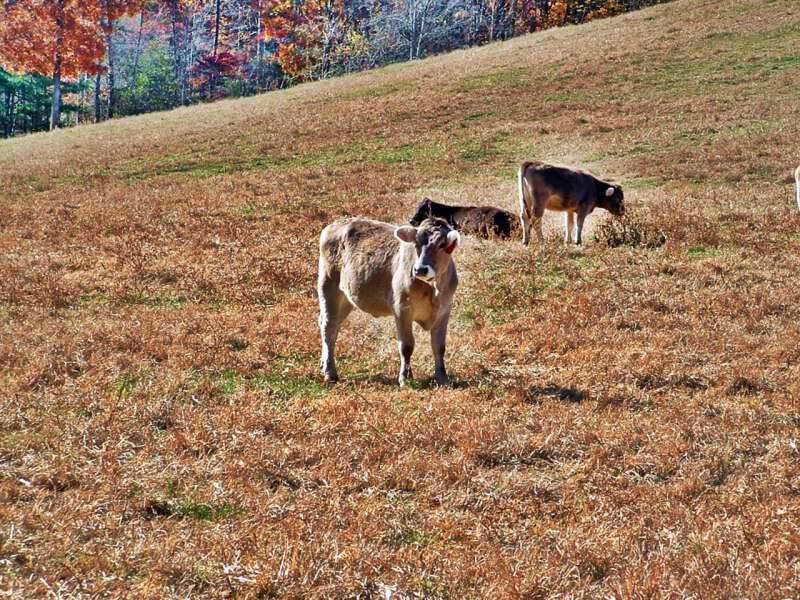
(625, 420)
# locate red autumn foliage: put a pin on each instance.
(37, 34)
(214, 66)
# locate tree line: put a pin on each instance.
(64, 62)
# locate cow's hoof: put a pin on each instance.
(443, 381)
(331, 378)
(404, 377)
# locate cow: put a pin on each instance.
(797, 185)
(555, 187)
(384, 270)
(485, 221)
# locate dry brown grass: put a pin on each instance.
(625, 421)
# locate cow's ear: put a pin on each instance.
(610, 192)
(406, 234)
(453, 240)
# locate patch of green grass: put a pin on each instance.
(288, 377)
(126, 385)
(203, 511)
(255, 209)
(734, 59)
(701, 252)
(205, 166)
(484, 150)
(378, 91)
(565, 97)
(644, 183)
(405, 153)
(288, 386)
(479, 153)
(410, 537)
(759, 127)
(478, 116)
(98, 299)
(158, 300)
(185, 506)
(417, 384)
(248, 210)
(228, 381)
(432, 589)
(493, 81)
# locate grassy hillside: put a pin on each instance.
(625, 421)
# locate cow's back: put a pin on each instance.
(567, 184)
(361, 254)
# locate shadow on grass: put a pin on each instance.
(536, 393)
(382, 379)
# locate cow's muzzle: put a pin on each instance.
(424, 272)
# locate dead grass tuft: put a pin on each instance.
(630, 230)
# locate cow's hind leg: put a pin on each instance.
(524, 208)
(526, 224)
(333, 310)
(569, 226)
(405, 344)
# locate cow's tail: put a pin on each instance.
(524, 213)
(797, 185)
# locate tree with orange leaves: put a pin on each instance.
(304, 32)
(55, 38)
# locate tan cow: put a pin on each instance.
(404, 272)
(797, 185)
(573, 191)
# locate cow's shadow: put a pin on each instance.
(536, 393)
(420, 384)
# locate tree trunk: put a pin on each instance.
(98, 105)
(177, 49)
(259, 50)
(8, 128)
(55, 112)
(81, 99)
(216, 27)
(55, 109)
(111, 74)
(138, 52)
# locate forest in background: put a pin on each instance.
(65, 62)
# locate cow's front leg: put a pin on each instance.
(539, 232)
(438, 340)
(581, 219)
(405, 344)
(569, 226)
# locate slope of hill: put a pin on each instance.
(624, 422)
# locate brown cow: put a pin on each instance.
(404, 272)
(485, 221)
(555, 187)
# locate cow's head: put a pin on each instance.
(615, 200)
(435, 242)
(424, 211)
